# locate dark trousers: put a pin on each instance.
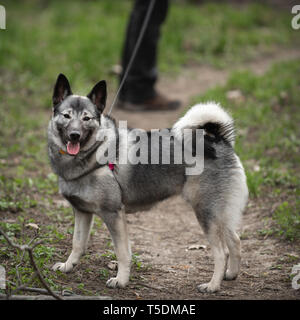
(139, 85)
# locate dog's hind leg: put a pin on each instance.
(117, 226)
(83, 224)
(218, 247)
(234, 245)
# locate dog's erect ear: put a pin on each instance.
(62, 89)
(98, 95)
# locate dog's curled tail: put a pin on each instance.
(211, 117)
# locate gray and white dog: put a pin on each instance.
(218, 195)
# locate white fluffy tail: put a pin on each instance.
(209, 116)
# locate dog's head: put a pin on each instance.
(77, 118)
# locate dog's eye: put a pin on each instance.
(86, 118)
(67, 116)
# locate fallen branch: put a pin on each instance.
(29, 248)
(31, 289)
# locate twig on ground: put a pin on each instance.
(29, 248)
(31, 289)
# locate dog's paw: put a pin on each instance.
(63, 267)
(229, 275)
(208, 287)
(115, 283)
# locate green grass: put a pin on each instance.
(221, 34)
(267, 120)
(85, 40)
(288, 222)
(42, 254)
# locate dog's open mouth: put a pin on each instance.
(73, 148)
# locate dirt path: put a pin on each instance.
(163, 235)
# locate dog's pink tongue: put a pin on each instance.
(73, 148)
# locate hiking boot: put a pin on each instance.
(157, 103)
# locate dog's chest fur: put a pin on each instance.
(95, 192)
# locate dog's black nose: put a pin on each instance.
(74, 136)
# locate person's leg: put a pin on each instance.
(139, 85)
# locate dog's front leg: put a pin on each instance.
(83, 224)
(117, 226)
